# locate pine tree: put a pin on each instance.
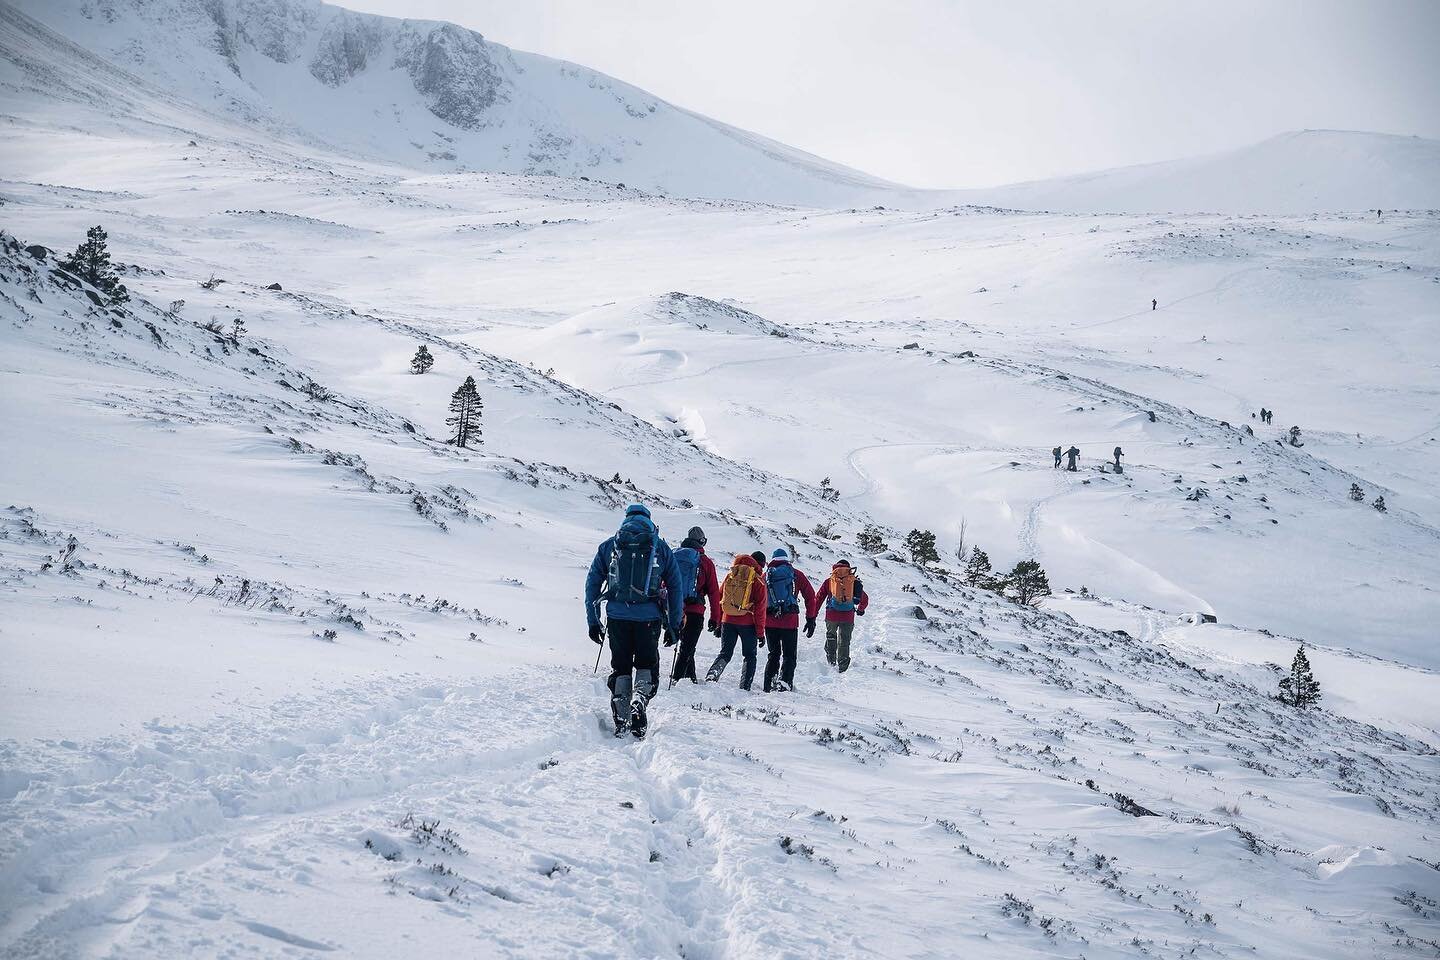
(871, 540)
(1300, 688)
(828, 492)
(1356, 492)
(921, 546)
(91, 263)
(465, 410)
(977, 569)
(1295, 437)
(1379, 504)
(1027, 582)
(422, 361)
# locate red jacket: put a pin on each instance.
(707, 586)
(843, 616)
(791, 621)
(756, 615)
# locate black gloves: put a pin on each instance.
(759, 641)
(859, 612)
(714, 626)
(597, 633)
(809, 626)
(669, 636)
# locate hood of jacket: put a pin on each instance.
(747, 560)
(693, 544)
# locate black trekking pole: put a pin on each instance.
(603, 638)
(673, 654)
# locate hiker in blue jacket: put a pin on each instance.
(635, 573)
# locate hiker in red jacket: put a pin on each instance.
(784, 586)
(742, 617)
(845, 599)
(707, 587)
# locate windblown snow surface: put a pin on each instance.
(285, 674)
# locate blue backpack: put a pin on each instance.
(634, 564)
(688, 560)
(780, 590)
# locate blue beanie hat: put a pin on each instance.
(639, 508)
(780, 555)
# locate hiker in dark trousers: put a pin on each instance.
(1154, 303)
(845, 599)
(627, 573)
(742, 617)
(1073, 453)
(1056, 454)
(1118, 454)
(784, 586)
(704, 586)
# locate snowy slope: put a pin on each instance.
(295, 626)
(1304, 171)
(426, 94)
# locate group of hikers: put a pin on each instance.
(650, 591)
(1266, 416)
(1073, 455)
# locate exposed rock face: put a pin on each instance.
(277, 28)
(348, 43)
(453, 69)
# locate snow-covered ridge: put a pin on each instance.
(1304, 171)
(434, 95)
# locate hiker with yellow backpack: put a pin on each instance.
(845, 599)
(742, 617)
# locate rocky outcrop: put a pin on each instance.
(348, 44)
(453, 69)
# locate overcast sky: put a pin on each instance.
(953, 94)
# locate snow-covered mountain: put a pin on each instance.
(425, 94)
(1305, 171)
(262, 627)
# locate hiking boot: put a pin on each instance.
(638, 720)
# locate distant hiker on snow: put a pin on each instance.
(844, 597)
(1056, 454)
(742, 609)
(782, 619)
(1118, 454)
(1073, 453)
(697, 574)
(1154, 303)
(627, 573)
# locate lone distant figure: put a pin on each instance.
(1073, 453)
(1056, 453)
(1118, 454)
(1154, 303)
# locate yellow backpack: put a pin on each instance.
(735, 591)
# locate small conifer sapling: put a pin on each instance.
(1027, 582)
(465, 410)
(91, 263)
(1299, 688)
(920, 544)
